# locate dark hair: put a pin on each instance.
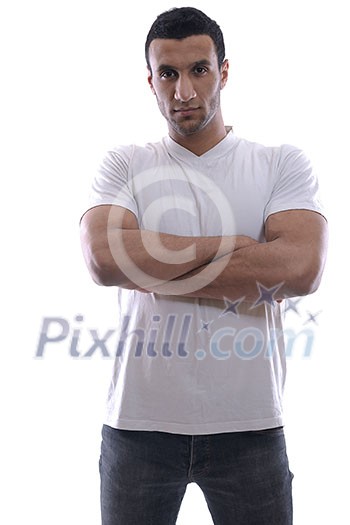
(182, 22)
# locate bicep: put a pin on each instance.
(99, 220)
(301, 227)
(95, 226)
(302, 237)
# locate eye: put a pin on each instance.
(169, 73)
(200, 70)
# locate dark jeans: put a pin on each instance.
(244, 476)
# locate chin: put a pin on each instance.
(190, 129)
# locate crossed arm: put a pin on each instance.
(292, 259)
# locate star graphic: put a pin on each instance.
(205, 326)
(292, 305)
(312, 317)
(231, 307)
(266, 294)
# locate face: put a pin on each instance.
(186, 79)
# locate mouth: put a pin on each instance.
(183, 112)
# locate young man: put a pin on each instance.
(203, 234)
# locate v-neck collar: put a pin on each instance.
(184, 154)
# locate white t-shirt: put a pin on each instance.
(200, 366)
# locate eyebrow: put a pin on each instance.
(204, 62)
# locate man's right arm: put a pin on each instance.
(118, 253)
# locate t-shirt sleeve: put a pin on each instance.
(111, 184)
(296, 185)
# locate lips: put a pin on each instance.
(184, 112)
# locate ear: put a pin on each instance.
(224, 73)
(150, 80)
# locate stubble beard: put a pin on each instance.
(191, 126)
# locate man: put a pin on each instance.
(203, 234)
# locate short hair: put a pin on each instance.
(181, 22)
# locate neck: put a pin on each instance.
(204, 140)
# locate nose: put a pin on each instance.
(184, 91)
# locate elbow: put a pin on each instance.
(100, 262)
(306, 285)
(103, 271)
(307, 280)
(312, 267)
(102, 277)
(106, 272)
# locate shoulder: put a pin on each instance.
(249, 148)
(125, 155)
(276, 156)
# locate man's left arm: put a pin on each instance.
(291, 261)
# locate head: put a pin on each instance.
(183, 22)
(185, 55)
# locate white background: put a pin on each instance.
(73, 84)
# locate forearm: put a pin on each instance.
(142, 259)
(274, 265)
(246, 271)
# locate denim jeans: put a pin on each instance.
(244, 476)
